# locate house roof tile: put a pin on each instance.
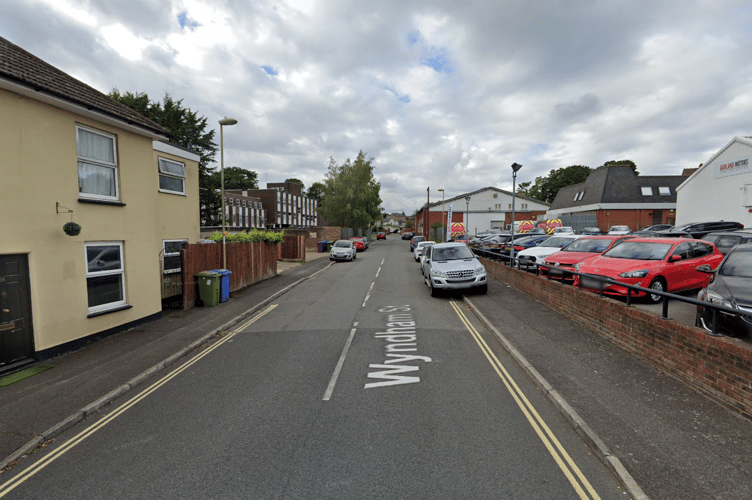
(23, 68)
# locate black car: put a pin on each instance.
(727, 240)
(407, 236)
(699, 229)
(730, 286)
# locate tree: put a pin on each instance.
(316, 191)
(296, 181)
(523, 188)
(351, 197)
(187, 130)
(235, 178)
(546, 188)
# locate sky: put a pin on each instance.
(441, 94)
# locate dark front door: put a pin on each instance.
(16, 337)
(657, 217)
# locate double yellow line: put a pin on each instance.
(44, 462)
(573, 474)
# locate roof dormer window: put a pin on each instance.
(647, 191)
(664, 191)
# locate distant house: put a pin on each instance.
(70, 153)
(285, 205)
(723, 183)
(616, 196)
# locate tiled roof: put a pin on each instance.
(617, 184)
(26, 69)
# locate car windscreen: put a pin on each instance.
(640, 250)
(451, 253)
(680, 229)
(590, 246)
(737, 264)
(557, 241)
(343, 244)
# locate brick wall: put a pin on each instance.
(328, 233)
(719, 367)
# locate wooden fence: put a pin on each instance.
(293, 248)
(249, 263)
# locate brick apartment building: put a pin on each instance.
(286, 206)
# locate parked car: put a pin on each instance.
(419, 249)
(619, 230)
(453, 266)
(528, 259)
(381, 236)
(494, 243)
(725, 241)
(359, 243)
(662, 264)
(426, 253)
(414, 241)
(700, 229)
(730, 286)
(477, 242)
(563, 229)
(560, 264)
(343, 250)
(522, 243)
(591, 231)
(407, 236)
(654, 228)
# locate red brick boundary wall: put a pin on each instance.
(249, 263)
(719, 367)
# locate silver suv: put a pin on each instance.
(453, 266)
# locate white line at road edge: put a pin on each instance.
(338, 368)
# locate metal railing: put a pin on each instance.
(600, 283)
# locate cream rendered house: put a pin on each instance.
(68, 152)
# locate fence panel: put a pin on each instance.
(249, 263)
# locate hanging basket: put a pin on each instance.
(71, 229)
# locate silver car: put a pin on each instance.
(453, 266)
(343, 250)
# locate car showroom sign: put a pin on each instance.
(740, 166)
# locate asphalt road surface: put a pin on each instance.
(355, 384)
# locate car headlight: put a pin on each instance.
(479, 270)
(715, 298)
(438, 274)
(635, 274)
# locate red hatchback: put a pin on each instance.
(579, 250)
(359, 243)
(662, 264)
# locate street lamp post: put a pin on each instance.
(443, 220)
(467, 218)
(224, 121)
(515, 168)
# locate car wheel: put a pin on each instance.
(659, 285)
(434, 291)
(483, 289)
(355, 255)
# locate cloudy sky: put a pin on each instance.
(441, 94)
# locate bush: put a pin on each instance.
(255, 235)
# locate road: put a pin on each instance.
(355, 384)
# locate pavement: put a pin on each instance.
(661, 438)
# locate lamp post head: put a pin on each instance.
(228, 121)
(516, 167)
(467, 199)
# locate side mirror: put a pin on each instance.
(674, 258)
(705, 268)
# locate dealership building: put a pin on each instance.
(721, 189)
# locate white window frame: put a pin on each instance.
(109, 272)
(98, 163)
(172, 175)
(664, 191)
(646, 191)
(171, 254)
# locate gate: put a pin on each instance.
(171, 268)
(580, 221)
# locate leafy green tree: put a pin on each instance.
(523, 188)
(351, 197)
(316, 191)
(235, 178)
(546, 188)
(409, 224)
(188, 130)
